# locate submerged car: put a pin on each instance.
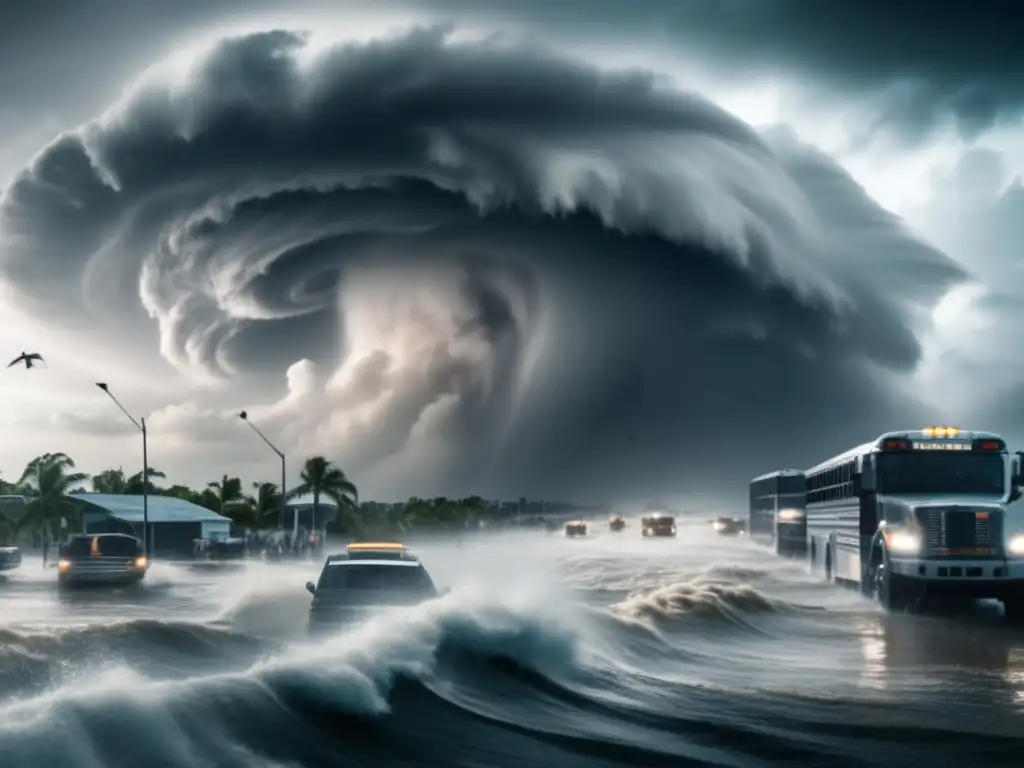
(659, 524)
(10, 558)
(616, 523)
(575, 529)
(101, 558)
(364, 579)
(729, 526)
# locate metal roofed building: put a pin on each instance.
(327, 512)
(173, 522)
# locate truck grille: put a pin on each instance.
(960, 528)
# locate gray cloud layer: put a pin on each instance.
(488, 267)
(915, 67)
(977, 214)
(928, 63)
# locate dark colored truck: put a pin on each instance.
(102, 558)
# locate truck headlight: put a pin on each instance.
(1016, 544)
(903, 542)
(790, 515)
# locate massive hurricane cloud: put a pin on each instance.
(484, 266)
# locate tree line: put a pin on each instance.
(49, 480)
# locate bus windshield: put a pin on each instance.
(941, 473)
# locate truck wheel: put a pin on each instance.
(892, 590)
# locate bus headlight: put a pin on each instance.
(1016, 545)
(790, 515)
(903, 542)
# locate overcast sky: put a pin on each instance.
(580, 250)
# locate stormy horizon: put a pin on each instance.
(459, 261)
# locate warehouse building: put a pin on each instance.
(173, 523)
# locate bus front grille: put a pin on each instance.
(955, 528)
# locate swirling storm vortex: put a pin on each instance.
(508, 259)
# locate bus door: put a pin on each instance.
(864, 486)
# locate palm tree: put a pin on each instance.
(110, 481)
(228, 491)
(266, 501)
(134, 485)
(321, 479)
(48, 480)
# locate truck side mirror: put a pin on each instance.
(1016, 475)
(311, 587)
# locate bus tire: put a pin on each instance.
(893, 592)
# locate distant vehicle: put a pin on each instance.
(617, 523)
(921, 514)
(777, 512)
(101, 558)
(729, 526)
(365, 578)
(10, 558)
(215, 550)
(659, 524)
(575, 529)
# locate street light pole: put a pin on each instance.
(141, 426)
(244, 416)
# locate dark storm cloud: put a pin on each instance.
(915, 65)
(927, 61)
(539, 275)
(977, 214)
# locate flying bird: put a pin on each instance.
(26, 358)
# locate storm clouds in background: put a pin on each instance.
(458, 264)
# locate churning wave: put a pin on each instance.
(715, 668)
